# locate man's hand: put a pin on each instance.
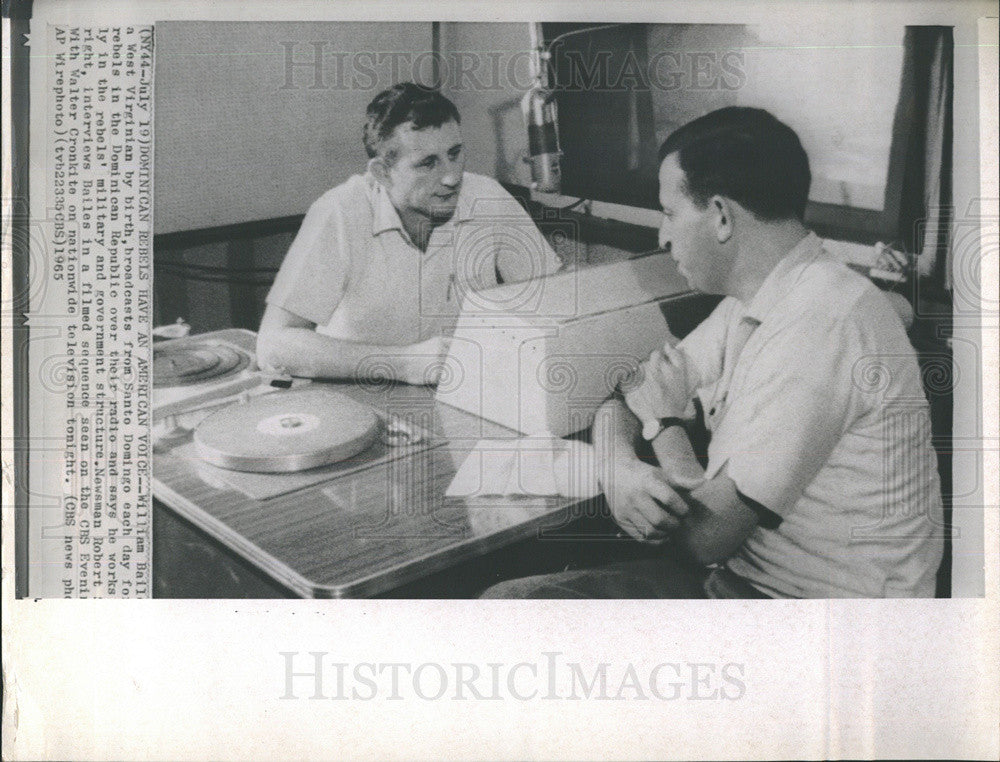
(642, 499)
(423, 362)
(660, 389)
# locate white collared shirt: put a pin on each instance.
(354, 272)
(824, 421)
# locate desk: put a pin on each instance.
(369, 532)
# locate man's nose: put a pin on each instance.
(452, 177)
(664, 235)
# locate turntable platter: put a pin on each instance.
(287, 431)
(195, 363)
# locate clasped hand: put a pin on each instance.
(659, 389)
(643, 499)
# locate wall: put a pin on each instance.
(234, 143)
(485, 72)
(490, 103)
(217, 284)
(240, 137)
(789, 70)
(229, 150)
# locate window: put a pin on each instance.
(622, 89)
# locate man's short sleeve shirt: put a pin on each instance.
(353, 271)
(821, 418)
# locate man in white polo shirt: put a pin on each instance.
(377, 272)
(821, 479)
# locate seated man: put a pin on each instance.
(821, 478)
(377, 271)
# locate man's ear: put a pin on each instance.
(379, 170)
(725, 220)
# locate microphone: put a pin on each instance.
(539, 109)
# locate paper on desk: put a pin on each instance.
(535, 465)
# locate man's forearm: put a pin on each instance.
(717, 523)
(615, 434)
(675, 455)
(303, 352)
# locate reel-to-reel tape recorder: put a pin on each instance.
(208, 390)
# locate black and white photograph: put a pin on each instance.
(439, 280)
(611, 373)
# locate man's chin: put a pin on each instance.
(441, 213)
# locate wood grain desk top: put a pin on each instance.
(368, 532)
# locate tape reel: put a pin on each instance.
(287, 432)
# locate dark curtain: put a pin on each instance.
(924, 117)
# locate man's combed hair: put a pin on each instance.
(402, 103)
(747, 155)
